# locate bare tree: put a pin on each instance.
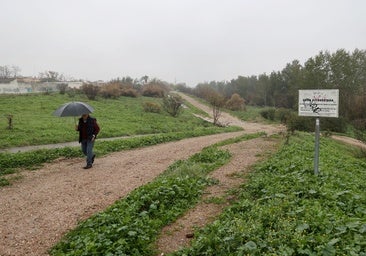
(9, 72)
(51, 76)
(15, 70)
(144, 79)
(217, 101)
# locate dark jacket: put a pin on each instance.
(91, 128)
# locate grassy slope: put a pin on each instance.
(284, 209)
(34, 124)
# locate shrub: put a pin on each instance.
(129, 92)
(299, 123)
(283, 114)
(72, 92)
(359, 124)
(151, 107)
(268, 113)
(90, 90)
(173, 104)
(154, 89)
(111, 90)
(235, 102)
(307, 124)
(62, 88)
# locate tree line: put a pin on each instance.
(341, 70)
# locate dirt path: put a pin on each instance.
(231, 175)
(42, 206)
(350, 141)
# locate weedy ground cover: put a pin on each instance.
(34, 124)
(251, 114)
(132, 224)
(284, 209)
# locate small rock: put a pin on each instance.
(189, 235)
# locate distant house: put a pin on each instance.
(29, 85)
(75, 85)
(10, 86)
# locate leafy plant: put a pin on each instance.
(284, 209)
(131, 225)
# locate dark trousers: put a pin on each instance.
(87, 148)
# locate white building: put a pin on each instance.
(29, 85)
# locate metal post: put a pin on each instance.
(316, 157)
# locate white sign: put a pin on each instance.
(319, 103)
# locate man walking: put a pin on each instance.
(88, 129)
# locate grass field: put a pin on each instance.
(34, 124)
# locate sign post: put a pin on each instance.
(316, 155)
(318, 103)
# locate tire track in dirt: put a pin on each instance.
(229, 176)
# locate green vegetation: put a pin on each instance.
(250, 114)
(284, 209)
(132, 224)
(34, 124)
(341, 70)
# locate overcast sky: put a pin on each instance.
(182, 41)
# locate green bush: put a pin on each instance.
(283, 114)
(303, 123)
(300, 123)
(359, 124)
(151, 107)
(268, 113)
(333, 124)
(173, 104)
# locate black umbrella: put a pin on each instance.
(75, 108)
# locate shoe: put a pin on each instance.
(88, 166)
(93, 159)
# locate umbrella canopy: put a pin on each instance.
(75, 108)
